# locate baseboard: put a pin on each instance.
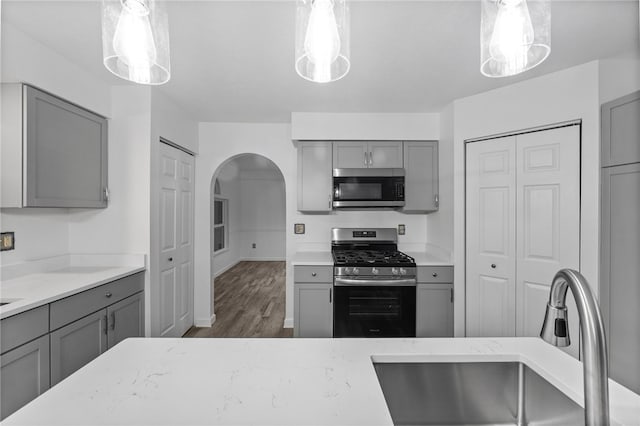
(263, 259)
(225, 269)
(205, 322)
(288, 323)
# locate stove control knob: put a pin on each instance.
(375, 270)
(356, 271)
(394, 271)
(403, 271)
(347, 271)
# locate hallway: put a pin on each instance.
(249, 302)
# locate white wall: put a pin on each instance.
(221, 141)
(619, 76)
(44, 232)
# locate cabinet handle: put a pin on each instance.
(370, 158)
(108, 294)
(113, 320)
(493, 266)
(330, 295)
(366, 160)
(451, 295)
(436, 200)
(106, 194)
(330, 202)
(435, 274)
(106, 325)
(171, 259)
(313, 274)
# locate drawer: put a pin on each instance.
(24, 327)
(79, 305)
(313, 274)
(435, 274)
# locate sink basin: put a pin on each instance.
(473, 393)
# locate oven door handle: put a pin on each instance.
(341, 282)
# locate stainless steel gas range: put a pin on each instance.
(374, 284)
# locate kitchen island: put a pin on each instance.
(276, 381)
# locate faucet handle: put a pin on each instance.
(554, 328)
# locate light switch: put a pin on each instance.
(7, 241)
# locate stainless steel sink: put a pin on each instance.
(473, 393)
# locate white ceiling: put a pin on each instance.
(233, 60)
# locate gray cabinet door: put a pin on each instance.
(350, 155)
(313, 310)
(434, 310)
(66, 153)
(621, 131)
(24, 374)
(126, 319)
(385, 154)
(620, 271)
(314, 177)
(77, 344)
(421, 176)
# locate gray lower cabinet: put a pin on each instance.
(76, 344)
(125, 319)
(434, 310)
(434, 301)
(25, 374)
(313, 301)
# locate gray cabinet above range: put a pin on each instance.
(54, 153)
(359, 154)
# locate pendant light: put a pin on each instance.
(135, 40)
(515, 36)
(322, 40)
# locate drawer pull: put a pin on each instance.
(493, 266)
(435, 274)
(108, 294)
(313, 274)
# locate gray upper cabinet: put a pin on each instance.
(359, 154)
(54, 153)
(421, 176)
(621, 130)
(314, 177)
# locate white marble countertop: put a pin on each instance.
(313, 258)
(34, 284)
(275, 381)
(424, 258)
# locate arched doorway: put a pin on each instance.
(248, 249)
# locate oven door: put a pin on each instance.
(374, 311)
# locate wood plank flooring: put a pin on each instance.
(249, 302)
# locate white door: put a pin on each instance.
(548, 222)
(176, 241)
(491, 247)
(523, 223)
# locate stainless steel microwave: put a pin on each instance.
(357, 188)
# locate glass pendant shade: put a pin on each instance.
(322, 40)
(135, 40)
(515, 36)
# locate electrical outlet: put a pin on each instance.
(253, 245)
(7, 241)
(401, 229)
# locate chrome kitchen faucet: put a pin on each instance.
(555, 330)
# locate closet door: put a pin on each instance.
(491, 237)
(547, 222)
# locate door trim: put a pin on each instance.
(577, 122)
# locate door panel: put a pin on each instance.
(385, 154)
(126, 319)
(175, 298)
(491, 238)
(548, 221)
(349, 155)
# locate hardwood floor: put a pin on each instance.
(249, 302)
